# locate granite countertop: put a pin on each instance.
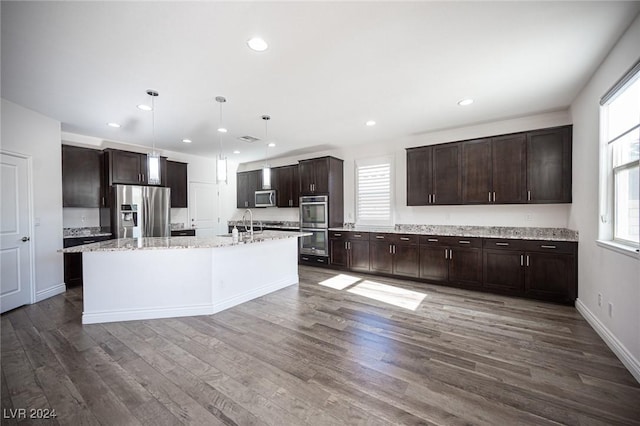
(520, 233)
(268, 223)
(159, 243)
(92, 231)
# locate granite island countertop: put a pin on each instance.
(506, 232)
(163, 243)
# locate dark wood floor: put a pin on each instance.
(313, 354)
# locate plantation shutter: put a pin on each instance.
(373, 195)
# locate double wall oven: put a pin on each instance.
(314, 218)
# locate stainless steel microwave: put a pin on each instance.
(266, 198)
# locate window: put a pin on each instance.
(620, 118)
(374, 194)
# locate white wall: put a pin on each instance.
(498, 215)
(29, 133)
(602, 271)
(199, 169)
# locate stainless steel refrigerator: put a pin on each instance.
(140, 211)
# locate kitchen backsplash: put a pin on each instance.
(80, 217)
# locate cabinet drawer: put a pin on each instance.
(311, 260)
(338, 235)
(184, 233)
(551, 246)
(505, 244)
(382, 236)
(451, 241)
(354, 235)
(407, 239)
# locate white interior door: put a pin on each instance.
(203, 215)
(15, 228)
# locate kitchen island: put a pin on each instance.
(145, 278)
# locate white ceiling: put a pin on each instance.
(330, 67)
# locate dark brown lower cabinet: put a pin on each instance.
(350, 250)
(543, 270)
(451, 260)
(72, 262)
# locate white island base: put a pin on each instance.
(163, 283)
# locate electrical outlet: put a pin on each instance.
(610, 309)
(600, 299)
(528, 217)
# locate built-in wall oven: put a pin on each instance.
(314, 218)
(314, 211)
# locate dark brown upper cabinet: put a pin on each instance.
(434, 175)
(493, 170)
(549, 166)
(520, 168)
(81, 177)
(325, 176)
(247, 184)
(130, 168)
(419, 176)
(286, 182)
(177, 181)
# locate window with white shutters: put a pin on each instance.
(374, 192)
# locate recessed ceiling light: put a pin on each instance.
(271, 145)
(222, 130)
(465, 102)
(257, 44)
(144, 107)
(186, 140)
(370, 123)
(236, 152)
(116, 125)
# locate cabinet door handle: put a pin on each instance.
(502, 244)
(394, 249)
(404, 239)
(528, 195)
(346, 245)
(85, 242)
(527, 260)
(464, 242)
(337, 235)
(434, 198)
(489, 196)
(320, 260)
(432, 240)
(380, 237)
(390, 248)
(547, 247)
(357, 235)
(305, 258)
(522, 260)
(446, 252)
(429, 198)
(450, 254)
(349, 245)
(494, 196)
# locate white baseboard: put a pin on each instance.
(245, 297)
(629, 361)
(142, 314)
(50, 292)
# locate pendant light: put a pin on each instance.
(153, 158)
(266, 171)
(221, 162)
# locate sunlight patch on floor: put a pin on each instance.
(339, 282)
(396, 296)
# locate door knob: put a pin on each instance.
(25, 239)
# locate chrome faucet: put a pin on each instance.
(244, 222)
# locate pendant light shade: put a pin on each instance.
(266, 170)
(153, 158)
(221, 162)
